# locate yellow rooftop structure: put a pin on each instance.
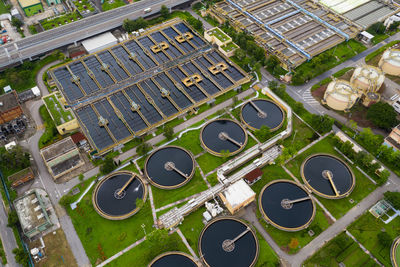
(390, 62)
(340, 95)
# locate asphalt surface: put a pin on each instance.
(67, 34)
(7, 238)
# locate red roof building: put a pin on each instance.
(77, 137)
(253, 176)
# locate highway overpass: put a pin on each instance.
(40, 43)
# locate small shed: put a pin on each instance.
(36, 91)
(7, 89)
(253, 176)
(366, 37)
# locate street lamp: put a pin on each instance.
(144, 229)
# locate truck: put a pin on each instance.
(147, 10)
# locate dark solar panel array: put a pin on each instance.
(220, 78)
(98, 134)
(172, 51)
(144, 59)
(179, 98)
(115, 69)
(148, 110)
(87, 83)
(101, 76)
(231, 71)
(171, 33)
(115, 124)
(195, 93)
(147, 43)
(132, 118)
(163, 103)
(129, 64)
(153, 107)
(70, 89)
(205, 83)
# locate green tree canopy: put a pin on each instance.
(164, 11)
(168, 132)
(382, 115)
(107, 166)
(393, 198)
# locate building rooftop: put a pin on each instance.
(58, 149)
(57, 110)
(8, 101)
(254, 174)
(238, 193)
(216, 32)
(99, 41)
(28, 3)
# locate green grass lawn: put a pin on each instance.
(220, 35)
(337, 207)
(3, 8)
(163, 197)
(192, 226)
(302, 135)
(397, 255)
(59, 116)
(141, 255)
(270, 173)
(366, 230)
(95, 231)
(340, 249)
(83, 5)
(107, 5)
(23, 77)
(50, 134)
(229, 47)
(208, 162)
(190, 141)
(266, 255)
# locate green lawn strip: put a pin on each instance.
(397, 255)
(328, 80)
(270, 173)
(108, 6)
(163, 197)
(341, 52)
(131, 167)
(283, 238)
(208, 162)
(3, 8)
(366, 230)
(302, 135)
(220, 35)
(374, 57)
(229, 47)
(50, 134)
(337, 207)
(212, 179)
(190, 141)
(192, 226)
(51, 102)
(379, 38)
(99, 234)
(142, 255)
(340, 249)
(266, 255)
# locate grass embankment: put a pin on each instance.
(50, 134)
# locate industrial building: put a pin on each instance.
(293, 30)
(225, 44)
(63, 118)
(31, 7)
(10, 108)
(33, 210)
(130, 88)
(363, 12)
(99, 42)
(237, 196)
(61, 157)
(21, 177)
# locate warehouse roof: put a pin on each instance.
(98, 42)
(238, 193)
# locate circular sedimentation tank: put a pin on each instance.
(223, 135)
(169, 167)
(327, 176)
(173, 259)
(395, 252)
(115, 196)
(227, 241)
(286, 205)
(258, 112)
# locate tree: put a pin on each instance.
(143, 149)
(384, 176)
(108, 165)
(377, 28)
(66, 200)
(134, 25)
(353, 125)
(382, 115)
(322, 124)
(168, 132)
(20, 256)
(16, 22)
(394, 26)
(81, 177)
(164, 11)
(240, 54)
(369, 140)
(393, 198)
(12, 219)
(385, 239)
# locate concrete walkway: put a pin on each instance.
(186, 243)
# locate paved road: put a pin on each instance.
(7, 238)
(67, 34)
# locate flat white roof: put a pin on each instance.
(367, 34)
(10, 145)
(36, 91)
(98, 42)
(238, 193)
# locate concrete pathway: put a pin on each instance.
(121, 252)
(186, 244)
(7, 238)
